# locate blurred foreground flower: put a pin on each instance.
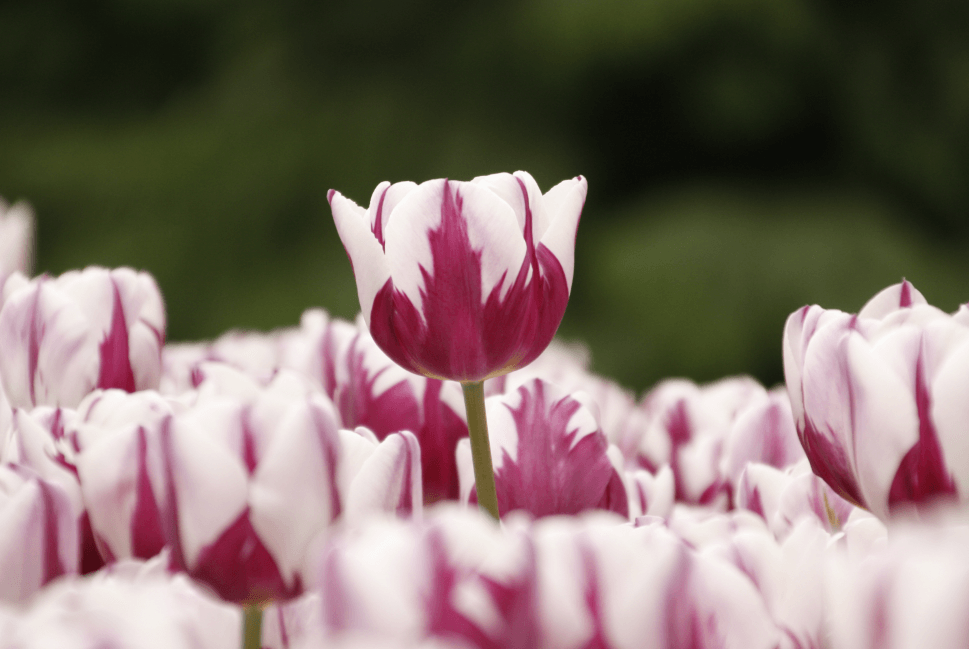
(880, 399)
(239, 482)
(562, 582)
(61, 338)
(130, 605)
(38, 533)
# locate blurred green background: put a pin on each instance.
(744, 157)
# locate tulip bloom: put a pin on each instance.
(38, 533)
(565, 582)
(463, 280)
(238, 486)
(61, 338)
(879, 399)
(137, 606)
(370, 390)
(549, 454)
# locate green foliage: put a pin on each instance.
(198, 140)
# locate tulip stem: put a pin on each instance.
(484, 473)
(252, 626)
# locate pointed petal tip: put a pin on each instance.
(330, 194)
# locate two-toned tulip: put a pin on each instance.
(38, 533)
(549, 454)
(463, 280)
(879, 399)
(63, 337)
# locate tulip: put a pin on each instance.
(61, 338)
(707, 434)
(46, 440)
(911, 593)
(464, 280)
(784, 498)
(132, 606)
(38, 533)
(239, 482)
(370, 390)
(879, 399)
(549, 454)
(564, 582)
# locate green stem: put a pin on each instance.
(252, 627)
(484, 474)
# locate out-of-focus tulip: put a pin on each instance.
(38, 533)
(911, 593)
(549, 454)
(16, 240)
(463, 280)
(707, 434)
(61, 338)
(564, 582)
(785, 497)
(370, 390)
(238, 486)
(131, 606)
(46, 440)
(879, 399)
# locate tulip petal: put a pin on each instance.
(454, 243)
(366, 255)
(950, 412)
(389, 480)
(300, 458)
(893, 298)
(382, 203)
(563, 204)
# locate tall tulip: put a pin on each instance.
(464, 280)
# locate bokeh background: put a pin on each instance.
(744, 157)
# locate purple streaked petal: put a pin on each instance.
(455, 242)
(922, 473)
(830, 394)
(388, 480)
(240, 568)
(443, 428)
(884, 421)
(893, 298)
(382, 203)
(301, 458)
(121, 501)
(208, 488)
(551, 456)
(39, 539)
(949, 410)
(563, 204)
(115, 365)
(366, 254)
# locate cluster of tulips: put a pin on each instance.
(441, 473)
